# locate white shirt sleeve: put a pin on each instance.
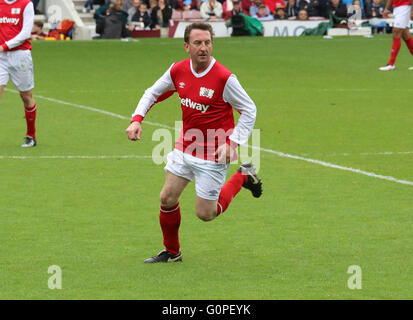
(161, 86)
(236, 96)
(28, 20)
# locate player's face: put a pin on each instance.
(199, 46)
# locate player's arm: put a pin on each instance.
(236, 96)
(386, 9)
(25, 33)
(161, 90)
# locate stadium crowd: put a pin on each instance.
(155, 14)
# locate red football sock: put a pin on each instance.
(30, 114)
(409, 43)
(170, 220)
(229, 191)
(394, 50)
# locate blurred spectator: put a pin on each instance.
(88, 3)
(280, 14)
(185, 5)
(302, 15)
(356, 11)
(100, 13)
(255, 6)
(132, 11)
(113, 25)
(127, 4)
(231, 8)
(246, 5)
(142, 15)
(291, 8)
(273, 4)
(173, 4)
(263, 14)
(152, 5)
(35, 4)
(211, 10)
(161, 15)
(374, 9)
(303, 4)
(37, 31)
(313, 8)
(336, 8)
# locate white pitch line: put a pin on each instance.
(386, 153)
(76, 157)
(80, 106)
(278, 153)
(335, 166)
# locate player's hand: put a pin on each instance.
(385, 14)
(225, 153)
(1, 49)
(134, 131)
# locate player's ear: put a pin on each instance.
(186, 46)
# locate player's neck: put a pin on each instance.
(199, 68)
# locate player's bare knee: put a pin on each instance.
(27, 98)
(167, 199)
(206, 215)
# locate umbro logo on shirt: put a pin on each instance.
(181, 85)
(15, 10)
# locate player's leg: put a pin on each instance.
(172, 189)
(401, 22)
(22, 75)
(246, 177)
(177, 178)
(214, 195)
(206, 210)
(409, 41)
(4, 75)
(30, 110)
(397, 33)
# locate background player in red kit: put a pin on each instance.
(16, 22)
(402, 14)
(208, 93)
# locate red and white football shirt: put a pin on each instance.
(399, 3)
(16, 23)
(207, 102)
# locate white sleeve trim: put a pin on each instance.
(236, 96)
(162, 85)
(28, 20)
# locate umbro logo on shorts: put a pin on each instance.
(213, 193)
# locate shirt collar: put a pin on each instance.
(200, 75)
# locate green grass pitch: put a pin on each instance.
(97, 218)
